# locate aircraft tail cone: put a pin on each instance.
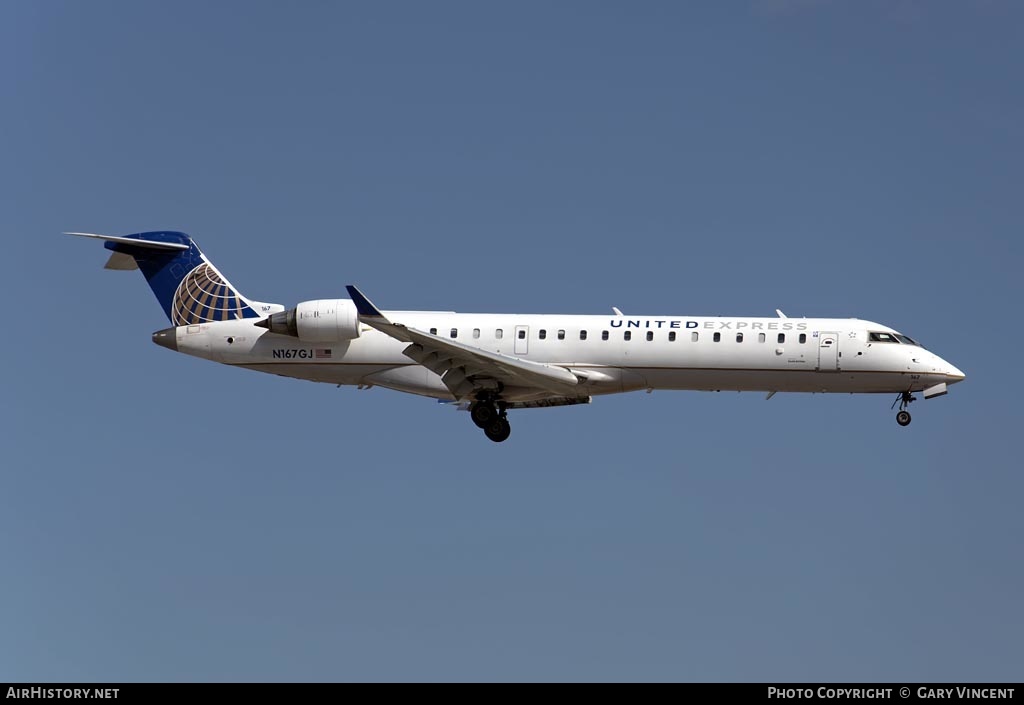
(167, 338)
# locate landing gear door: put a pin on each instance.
(828, 351)
(522, 339)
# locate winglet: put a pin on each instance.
(364, 306)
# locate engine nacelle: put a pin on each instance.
(322, 321)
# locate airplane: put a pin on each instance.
(491, 363)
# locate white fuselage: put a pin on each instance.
(611, 353)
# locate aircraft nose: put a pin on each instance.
(954, 374)
(167, 338)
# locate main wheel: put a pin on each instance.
(483, 413)
(498, 430)
(903, 418)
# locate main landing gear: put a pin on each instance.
(490, 415)
(903, 416)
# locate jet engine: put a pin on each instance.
(322, 321)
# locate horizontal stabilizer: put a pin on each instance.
(122, 262)
(135, 242)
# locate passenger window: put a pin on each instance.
(476, 332)
(433, 331)
(782, 337)
(803, 338)
(561, 335)
(650, 336)
(760, 337)
(604, 335)
(717, 337)
(671, 336)
(498, 334)
(583, 335)
(522, 335)
(739, 337)
(455, 332)
(542, 334)
(694, 337)
(628, 335)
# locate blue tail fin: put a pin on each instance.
(187, 285)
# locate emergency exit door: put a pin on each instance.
(522, 346)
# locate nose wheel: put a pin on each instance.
(903, 416)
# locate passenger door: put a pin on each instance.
(828, 352)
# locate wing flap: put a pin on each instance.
(464, 368)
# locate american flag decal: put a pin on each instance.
(322, 353)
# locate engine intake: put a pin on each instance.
(321, 321)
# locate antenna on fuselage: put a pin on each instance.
(781, 314)
(617, 311)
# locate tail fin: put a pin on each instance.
(187, 285)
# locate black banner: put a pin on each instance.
(784, 691)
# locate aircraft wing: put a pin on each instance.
(464, 368)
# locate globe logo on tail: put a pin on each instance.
(204, 296)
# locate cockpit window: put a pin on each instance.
(882, 337)
(907, 340)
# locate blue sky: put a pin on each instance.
(165, 518)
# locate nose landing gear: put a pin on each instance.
(903, 416)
